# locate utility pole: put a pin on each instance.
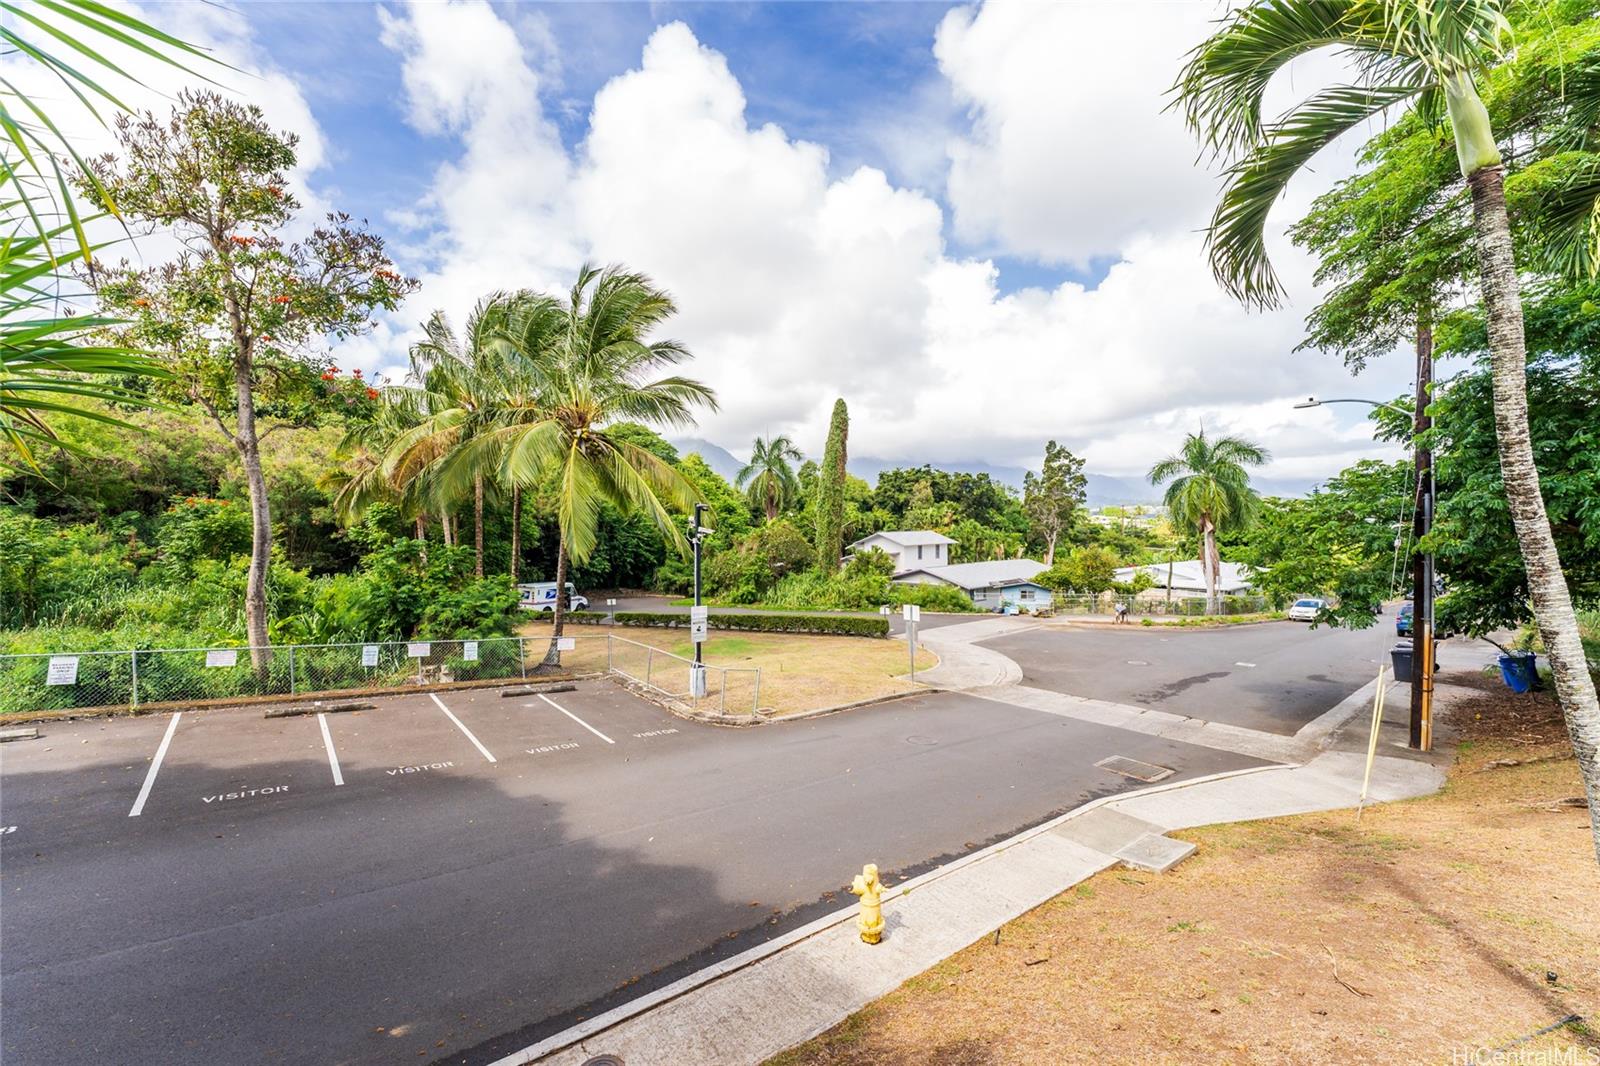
(1422, 646)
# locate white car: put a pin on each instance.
(1306, 610)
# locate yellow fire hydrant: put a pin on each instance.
(870, 889)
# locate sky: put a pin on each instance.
(977, 223)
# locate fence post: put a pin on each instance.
(609, 647)
(722, 697)
(134, 655)
(291, 669)
(522, 655)
(755, 704)
(649, 662)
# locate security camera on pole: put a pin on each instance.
(698, 615)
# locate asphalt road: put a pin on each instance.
(438, 906)
(1275, 677)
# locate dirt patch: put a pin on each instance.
(1463, 921)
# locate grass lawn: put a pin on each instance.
(1460, 921)
(799, 672)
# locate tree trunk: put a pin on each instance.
(248, 443)
(444, 526)
(1050, 551)
(477, 523)
(516, 531)
(1208, 549)
(558, 616)
(1552, 601)
(422, 535)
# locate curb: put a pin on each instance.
(686, 985)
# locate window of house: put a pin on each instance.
(936, 548)
(1025, 594)
(919, 551)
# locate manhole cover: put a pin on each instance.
(918, 738)
(604, 1060)
(1139, 771)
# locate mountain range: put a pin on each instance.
(1103, 490)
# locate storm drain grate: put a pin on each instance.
(1139, 771)
(604, 1060)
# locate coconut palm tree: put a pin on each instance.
(767, 479)
(461, 378)
(580, 366)
(1209, 490)
(361, 481)
(1428, 54)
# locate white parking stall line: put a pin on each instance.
(575, 718)
(155, 767)
(327, 742)
(462, 726)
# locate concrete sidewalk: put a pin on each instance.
(773, 997)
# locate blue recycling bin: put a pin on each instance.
(1519, 671)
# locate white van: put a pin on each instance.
(541, 596)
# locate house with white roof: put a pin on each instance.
(911, 549)
(1188, 579)
(993, 585)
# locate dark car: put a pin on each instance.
(1402, 621)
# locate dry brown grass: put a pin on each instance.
(799, 672)
(1461, 921)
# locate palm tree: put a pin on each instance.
(1425, 53)
(460, 378)
(767, 479)
(578, 367)
(46, 368)
(1210, 490)
(362, 480)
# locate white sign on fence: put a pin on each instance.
(469, 651)
(699, 618)
(369, 655)
(63, 670)
(418, 651)
(222, 657)
(911, 612)
(566, 643)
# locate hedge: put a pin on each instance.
(822, 624)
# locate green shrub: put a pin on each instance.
(822, 624)
(932, 598)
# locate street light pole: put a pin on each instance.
(695, 535)
(1422, 643)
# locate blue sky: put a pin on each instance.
(979, 224)
(819, 70)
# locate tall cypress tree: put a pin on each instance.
(830, 491)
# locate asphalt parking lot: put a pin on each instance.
(449, 878)
(1275, 676)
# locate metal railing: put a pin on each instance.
(141, 677)
(672, 676)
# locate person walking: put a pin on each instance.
(1122, 612)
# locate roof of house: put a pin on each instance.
(997, 574)
(908, 538)
(1187, 574)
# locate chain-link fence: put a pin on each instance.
(1180, 606)
(724, 689)
(114, 679)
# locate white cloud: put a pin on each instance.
(795, 288)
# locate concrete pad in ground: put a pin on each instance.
(1155, 853)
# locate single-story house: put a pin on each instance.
(1188, 579)
(991, 585)
(911, 549)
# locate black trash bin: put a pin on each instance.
(1400, 655)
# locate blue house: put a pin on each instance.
(993, 586)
